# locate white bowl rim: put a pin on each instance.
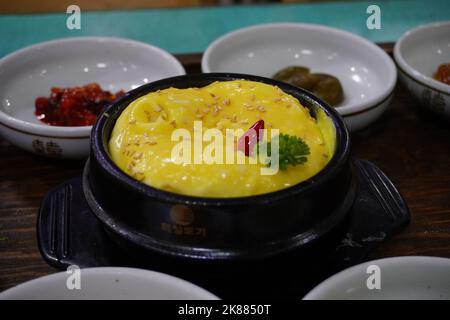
(369, 104)
(81, 132)
(318, 291)
(172, 280)
(407, 69)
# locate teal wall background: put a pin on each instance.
(192, 29)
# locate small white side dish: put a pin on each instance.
(409, 278)
(418, 54)
(367, 74)
(108, 283)
(114, 63)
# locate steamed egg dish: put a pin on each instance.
(158, 129)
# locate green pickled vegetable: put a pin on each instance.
(325, 86)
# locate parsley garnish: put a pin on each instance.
(292, 151)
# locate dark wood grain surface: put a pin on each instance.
(411, 145)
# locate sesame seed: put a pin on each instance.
(148, 115)
(130, 165)
(138, 156)
(157, 108)
(133, 121)
(216, 110)
(226, 102)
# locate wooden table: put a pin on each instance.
(411, 145)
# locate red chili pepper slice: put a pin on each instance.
(251, 137)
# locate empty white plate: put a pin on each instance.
(108, 283)
(409, 278)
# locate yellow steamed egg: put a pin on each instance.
(142, 143)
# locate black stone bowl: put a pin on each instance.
(155, 221)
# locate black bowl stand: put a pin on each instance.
(69, 234)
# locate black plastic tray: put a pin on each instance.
(69, 234)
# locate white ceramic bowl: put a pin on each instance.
(418, 54)
(31, 72)
(408, 278)
(109, 283)
(368, 75)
